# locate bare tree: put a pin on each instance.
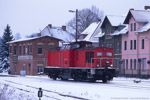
(17, 36)
(85, 18)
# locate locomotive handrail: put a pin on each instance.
(101, 59)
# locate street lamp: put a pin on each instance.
(72, 11)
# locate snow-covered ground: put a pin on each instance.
(26, 88)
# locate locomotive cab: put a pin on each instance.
(76, 45)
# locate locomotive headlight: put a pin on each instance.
(97, 65)
(111, 65)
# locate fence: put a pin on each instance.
(139, 73)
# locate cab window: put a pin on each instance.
(75, 46)
(88, 45)
(63, 47)
(67, 47)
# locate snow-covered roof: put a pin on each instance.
(92, 30)
(27, 39)
(144, 28)
(141, 15)
(57, 32)
(119, 32)
(99, 35)
(115, 20)
(138, 15)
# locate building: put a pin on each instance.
(136, 44)
(112, 28)
(89, 33)
(29, 56)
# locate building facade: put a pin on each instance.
(136, 44)
(112, 28)
(29, 56)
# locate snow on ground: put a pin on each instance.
(118, 89)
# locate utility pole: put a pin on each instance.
(72, 11)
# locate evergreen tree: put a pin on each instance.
(4, 53)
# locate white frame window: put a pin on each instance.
(144, 64)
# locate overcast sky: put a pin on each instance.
(31, 16)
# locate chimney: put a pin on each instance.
(50, 25)
(64, 27)
(39, 34)
(131, 8)
(146, 7)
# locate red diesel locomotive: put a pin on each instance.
(80, 61)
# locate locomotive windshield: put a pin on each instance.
(68, 47)
(75, 46)
(63, 47)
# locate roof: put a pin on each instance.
(91, 28)
(91, 31)
(115, 20)
(138, 15)
(57, 32)
(144, 28)
(29, 39)
(94, 29)
(99, 35)
(119, 32)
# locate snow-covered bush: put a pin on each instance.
(8, 93)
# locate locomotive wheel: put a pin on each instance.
(92, 80)
(105, 79)
(76, 78)
(54, 77)
(64, 79)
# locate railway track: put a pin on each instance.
(45, 90)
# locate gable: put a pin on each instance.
(105, 22)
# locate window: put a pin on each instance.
(109, 54)
(24, 51)
(126, 63)
(130, 44)
(40, 69)
(118, 46)
(134, 64)
(144, 64)
(99, 53)
(125, 45)
(15, 50)
(131, 27)
(68, 47)
(10, 49)
(130, 63)
(63, 47)
(40, 49)
(19, 50)
(30, 51)
(89, 56)
(134, 44)
(75, 46)
(134, 26)
(142, 43)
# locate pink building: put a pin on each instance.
(136, 44)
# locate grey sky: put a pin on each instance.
(31, 16)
